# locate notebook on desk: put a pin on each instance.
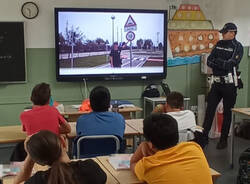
(122, 103)
(120, 161)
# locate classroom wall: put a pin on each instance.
(41, 67)
(248, 82)
(41, 59)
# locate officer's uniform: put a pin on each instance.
(225, 55)
(116, 55)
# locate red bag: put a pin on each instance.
(85, 107)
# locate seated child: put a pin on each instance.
(47, 148)
(162, 160)
(185, 118)
(42, 116)
(100, 121)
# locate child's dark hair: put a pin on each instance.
(41, 94)
(161, 130)
(44, 148)
(100, 99)
(175, 100)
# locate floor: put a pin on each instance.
(219, 159)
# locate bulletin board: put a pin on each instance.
(12, 52)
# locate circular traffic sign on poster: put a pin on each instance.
(130, 36)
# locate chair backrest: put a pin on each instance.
(96, 145)
(185, 135)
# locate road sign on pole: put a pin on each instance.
(130, 36)
(130, 24)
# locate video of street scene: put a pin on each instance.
(110, 42)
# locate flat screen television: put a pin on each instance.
(110, 44)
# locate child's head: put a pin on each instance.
(161, 130)
(44, 147)
(41, 94)
(100, 99)
(47, 148)
(174, 101)
(115, 45)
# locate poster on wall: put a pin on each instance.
(12, 52)
(190, 35)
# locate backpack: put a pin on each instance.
(244, 170)
(151, 91)
(243, 129)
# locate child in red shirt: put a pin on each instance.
(42, 116)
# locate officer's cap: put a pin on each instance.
(229, 27)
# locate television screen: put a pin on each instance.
(110, 44)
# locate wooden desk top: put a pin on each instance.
(244, 111)
(161, 99)
(122, 176)
(136, 124)
(130, 109)
(11, 134)
(14, 134)
(110, 178)
(69, 110)
(128, 130)
(127, 177)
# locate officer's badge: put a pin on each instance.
(237, 57)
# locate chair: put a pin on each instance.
(186, 135)
(96, 145)
(19, 154)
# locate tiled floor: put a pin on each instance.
(219, 159)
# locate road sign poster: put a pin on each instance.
(130, 24)
(130, 36)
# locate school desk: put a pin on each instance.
(72, 114)
(244, 113)
(128, 177)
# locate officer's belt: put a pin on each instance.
(222, 79)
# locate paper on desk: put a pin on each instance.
(10, 169)
(120, 161)
(126, 105)
(76, 106)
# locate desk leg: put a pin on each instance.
(153, 105)
(133, 115)
(134, 143)
(232, 142)
(70, 147)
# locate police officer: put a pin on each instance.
(115, 56)
(224, 61)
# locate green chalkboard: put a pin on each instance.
(12, 52)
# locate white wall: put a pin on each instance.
(238, 12)
(223, 11)
(40, 31)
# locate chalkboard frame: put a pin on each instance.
(17, 57)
